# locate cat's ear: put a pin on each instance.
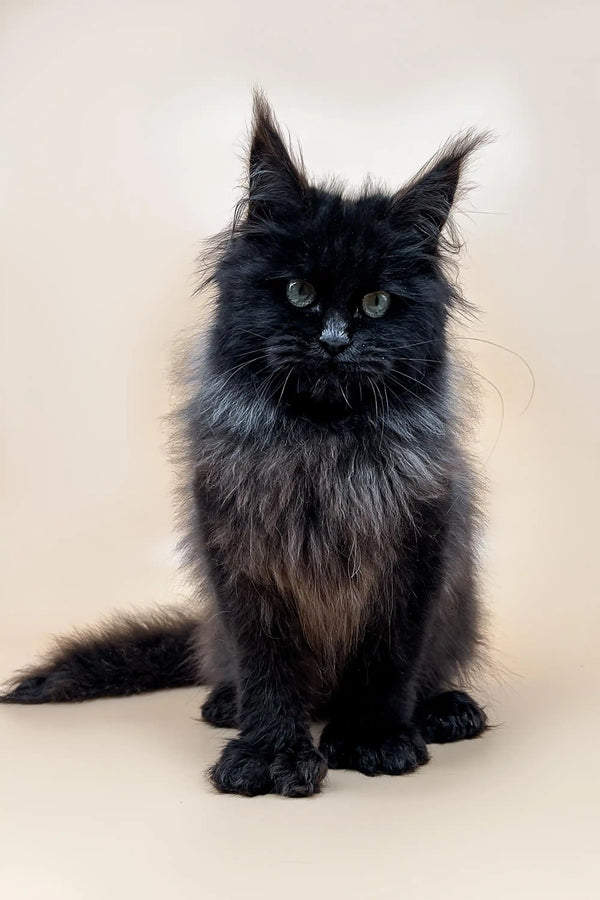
(276, 182)
(424, 204)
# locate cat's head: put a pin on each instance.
(329, 303)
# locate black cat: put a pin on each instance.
(330, 508)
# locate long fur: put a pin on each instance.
(329, 507)
(126, 655)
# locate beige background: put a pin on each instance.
(120, 127)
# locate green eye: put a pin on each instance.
(376, 304)
(300, 293)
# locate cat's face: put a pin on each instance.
(328, 302)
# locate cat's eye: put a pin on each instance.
(376, 304)
(300, 293)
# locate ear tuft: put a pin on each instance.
(426, 201)
(275, 179)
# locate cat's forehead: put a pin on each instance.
(336, 214)
(344, 234)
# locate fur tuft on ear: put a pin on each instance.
(276, 180)
(426, 201)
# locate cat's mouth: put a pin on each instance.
(334, 385)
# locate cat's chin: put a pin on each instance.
(326, 399)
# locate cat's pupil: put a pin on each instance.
(376, 304)
(300, 293)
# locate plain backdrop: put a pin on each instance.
(122, 130)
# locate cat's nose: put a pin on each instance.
(334, 338)
(334, 343)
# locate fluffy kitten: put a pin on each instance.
(330, 510)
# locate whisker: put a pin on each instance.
(439, 394)
(374, 397)
(231, 372)
(408, 390)
(515, 354)
(284, 386)
(348, 404)
(491, 344)
(502, 410)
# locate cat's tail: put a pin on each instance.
(126, 655)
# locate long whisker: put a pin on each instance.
(284, 386)
(371, 383)
(407, 389)
(499, 347)
(434, 391)
(502, 411)
(515, 354)
(348, 404)
(231, 372)
(267, 384)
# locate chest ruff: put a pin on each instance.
(317, 526)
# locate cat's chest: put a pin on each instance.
(316, 526)
(304, 506)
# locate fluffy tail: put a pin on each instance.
(126, 655)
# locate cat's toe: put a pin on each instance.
(242, 769)
(299, 773)
(245, 769)
(401, 751)
(450, 716)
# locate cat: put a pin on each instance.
(331, 510)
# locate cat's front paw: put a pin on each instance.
(299, 773)
(396, 752)
(244, 768)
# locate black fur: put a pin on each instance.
(124, 656)
(329, 506)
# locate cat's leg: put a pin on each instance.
(450, 716)
(274, 752)
(221, 707)
(372, 725)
